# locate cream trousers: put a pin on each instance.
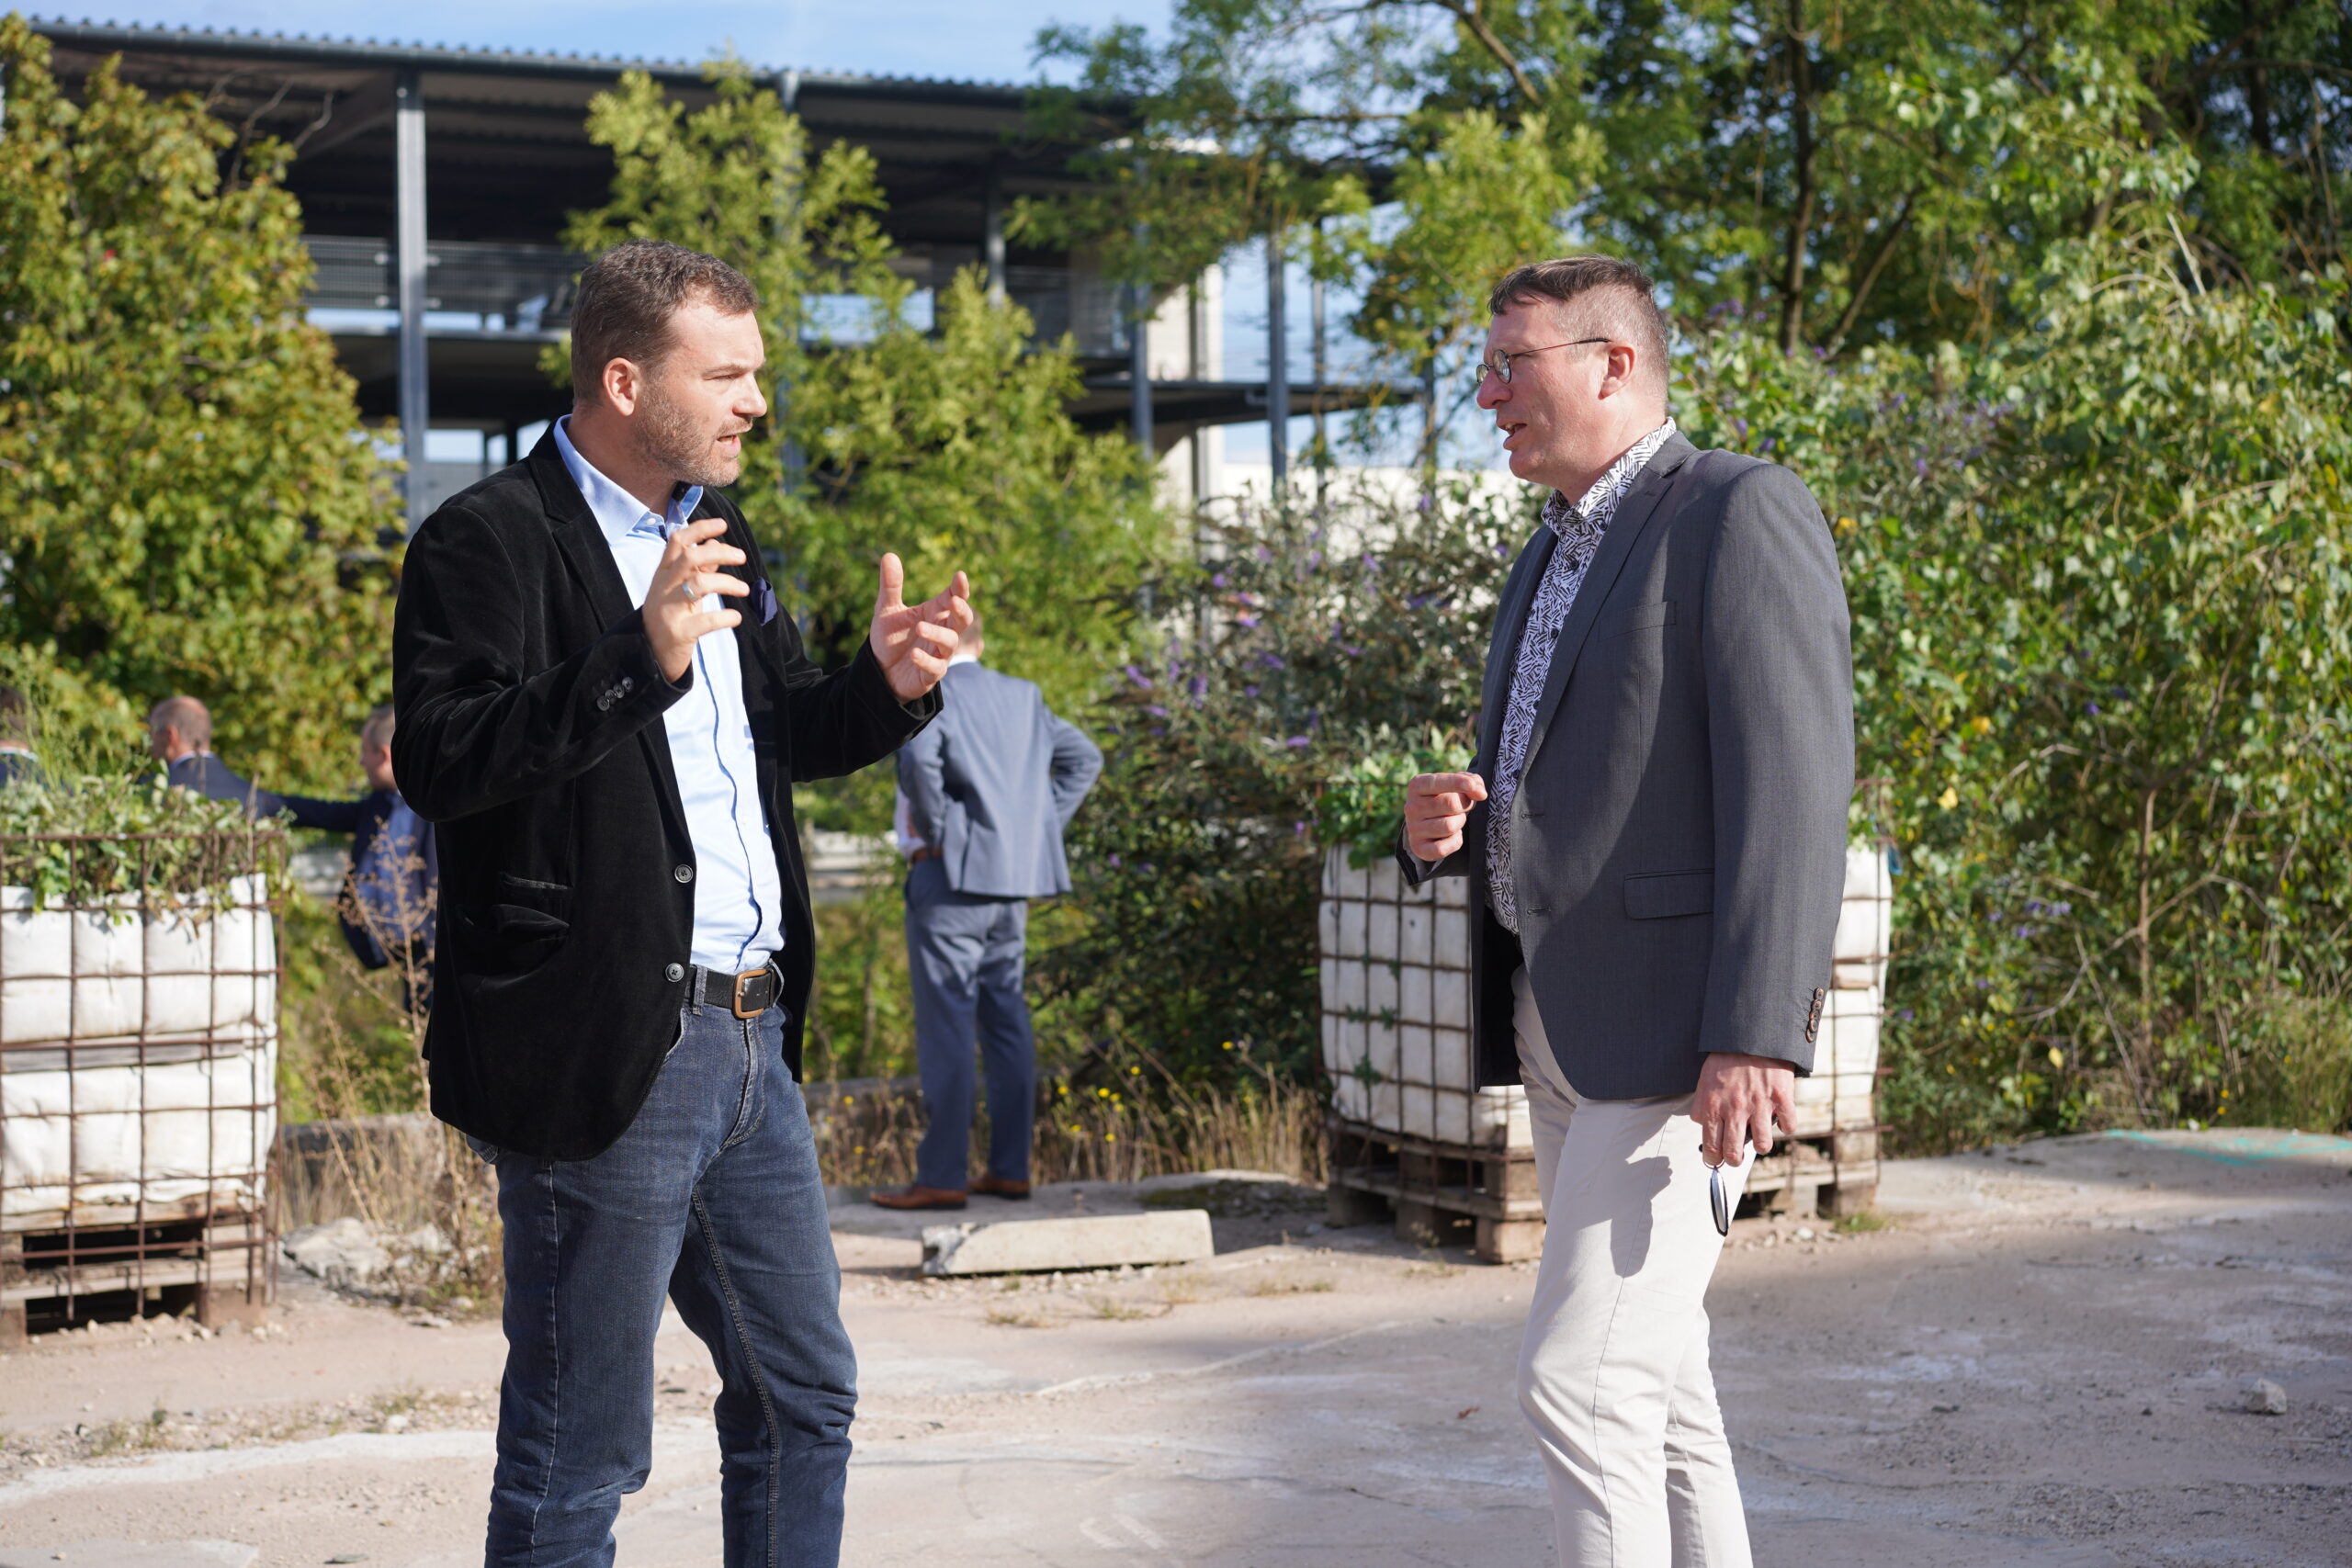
(1613, 1370)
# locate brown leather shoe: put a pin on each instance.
(998, 1187)
(917, 1196)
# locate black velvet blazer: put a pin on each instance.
(530, 732)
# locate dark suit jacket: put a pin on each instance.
(209, 776)
(1678, 837)
(529, 731)
(994, 782)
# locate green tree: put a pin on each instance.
(952, 447)
(188, 502)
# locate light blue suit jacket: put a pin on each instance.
(993, 781)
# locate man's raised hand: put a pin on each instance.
(1436, 806)
(913, 642)
(675, 619)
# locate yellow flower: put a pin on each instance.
(1949, 798)
(2057, 1057)
(1110, 1137)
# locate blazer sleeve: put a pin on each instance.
(328, 815)
(1779, 690)
(923, 778)
(477, 729)
(1078, 763)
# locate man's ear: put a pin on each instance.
(622, 383)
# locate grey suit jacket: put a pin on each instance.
(992, 783)
(1680, 831)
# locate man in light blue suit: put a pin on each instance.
(985, 794)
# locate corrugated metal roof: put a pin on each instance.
(306, 47)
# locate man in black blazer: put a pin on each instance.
(1655, 830)
(603, 710)
(179, 735)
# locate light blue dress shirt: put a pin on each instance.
(738, 898)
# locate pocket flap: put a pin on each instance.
(1635, 618)
(1658, 896)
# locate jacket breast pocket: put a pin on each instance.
(1633, 618)
(1663, 895)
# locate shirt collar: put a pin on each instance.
(1602, 496)
(617, 511)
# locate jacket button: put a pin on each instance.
(629, 682)
(605, 704)
(676, 973)
(683, 873)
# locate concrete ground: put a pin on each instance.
(2040, 1363)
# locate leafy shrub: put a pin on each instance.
(1301, 649)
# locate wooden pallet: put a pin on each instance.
(1436, 1194)
(220, 1265)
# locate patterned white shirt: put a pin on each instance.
(1581, 527)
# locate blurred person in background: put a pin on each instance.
(389, 894)
(985, 794)
(179, 735)
(16, 758)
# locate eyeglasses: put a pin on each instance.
(1499, 365)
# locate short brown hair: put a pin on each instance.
(627, 298)
(1628, 293)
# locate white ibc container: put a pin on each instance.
(142, 1055)
(1396, 985)
(1399, 955)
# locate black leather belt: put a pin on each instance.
(747, 995)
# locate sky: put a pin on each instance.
(993, 41)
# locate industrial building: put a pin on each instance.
(436, 182)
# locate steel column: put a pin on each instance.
(1277, 365)
(410, 262)
(992, 231)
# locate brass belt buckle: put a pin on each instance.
(744, 983)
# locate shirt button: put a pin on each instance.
(676, 973)
(683, 873)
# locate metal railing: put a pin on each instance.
(529, 288)
(511, 288)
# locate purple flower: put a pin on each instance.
(1217, 582)
(1298, 742)
(1244, 621)
(1200, 687)
(1114, 858)
(1265, 554)
(1248, 691)
(1138, 677)
(1906, 1015)
(2090, 708)
(1272, 661)
(1919, 467)
(1298, 829)
(1351, 650)
(1156, 710)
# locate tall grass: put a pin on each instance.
(1150, 1124)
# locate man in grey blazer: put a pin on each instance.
(986, 793)
(1655, 829)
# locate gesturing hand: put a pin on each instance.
(1436, 806)
(674, 618)
(913, 642)
(1738, 1098)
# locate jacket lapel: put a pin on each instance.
(590, 555)
(1511, 618)
(1634, 514)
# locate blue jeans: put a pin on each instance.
(965, 957)
(712, 1198)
